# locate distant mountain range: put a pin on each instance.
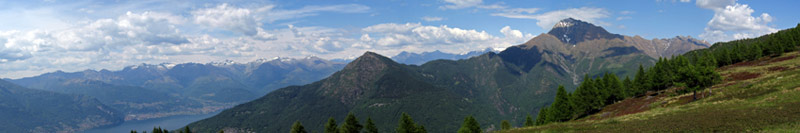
(438, 94)
(411, 58)
(420, 58)
(151, 91)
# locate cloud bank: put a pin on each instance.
(733, 21)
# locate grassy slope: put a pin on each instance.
(762, 95)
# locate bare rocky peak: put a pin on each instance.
(573, 31)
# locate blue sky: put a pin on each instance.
(49, 35)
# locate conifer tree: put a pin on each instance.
(615, 88)
(641, 81)
(330, 126)
(370, 127)
(529, 121)
(505, 125)
(298, 128)
(156, 130)
(351, 124)
(583, 97)
(186, 130)
(627, 86)
(470, 125)
(406, 124)
(561, 108)
(541, 118)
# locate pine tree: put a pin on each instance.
(757, 51)
(298, 128)
(351, 124)
(371, 128)
(641, 81)
(156, 130)
(614, 86)
(186, 130)
(505, 125)
(470, 125)
(541, 118)
(406, 124)
(221, 131)
(529, 121)
(627, 86)
(561, 108)
(583, 97)
(134, 131)
(330, 126)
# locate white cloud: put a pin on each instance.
(508, 32)
(733, 21)
(131, 38)
(227, 17)
(393, 38)
(409, 33)
(548, 19)
(431, 19)
(458, 4)
(154, 37)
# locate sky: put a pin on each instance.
(51, 35)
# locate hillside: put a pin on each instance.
(29, 110)
(760, 95)
(494, 86)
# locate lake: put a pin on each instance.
(170, 123)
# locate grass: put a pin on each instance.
(765, 99)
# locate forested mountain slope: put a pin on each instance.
(495, 86)
(686, 93)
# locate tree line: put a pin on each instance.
(351, 125)
(692, 71)
(405, 125)
(160, 130)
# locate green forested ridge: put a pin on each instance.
(693, 71)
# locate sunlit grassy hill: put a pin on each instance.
(760, 95)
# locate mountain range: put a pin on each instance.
(149, 91)
(508, 85)
(420, 58)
